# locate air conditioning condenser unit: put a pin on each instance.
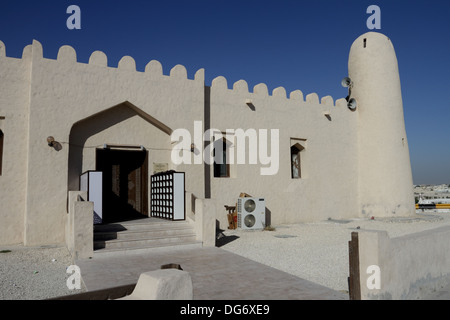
(251, 213)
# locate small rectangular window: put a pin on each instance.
(365, 42)
(297, 146)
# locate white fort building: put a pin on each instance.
(323, 158)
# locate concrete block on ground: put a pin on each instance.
(165, 284)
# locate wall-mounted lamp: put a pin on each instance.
(51, 141)
(192, 147)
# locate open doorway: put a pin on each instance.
(125, 184)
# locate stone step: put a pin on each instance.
(142, 242)
(153, 248)
(144, 224)
(143, 234)
(149, 232)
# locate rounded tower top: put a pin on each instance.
(373, 69)
(374, 38)
(373, 52)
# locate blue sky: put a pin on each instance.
(295, 44)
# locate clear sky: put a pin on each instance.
(295, 44)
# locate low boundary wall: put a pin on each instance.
(400, 268)
(202, 215)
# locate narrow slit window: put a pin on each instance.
(295, 163)
(365, 42)
(1, 150)
(221, 168)
(296, 158)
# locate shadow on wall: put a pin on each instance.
(88, 127)
(268, 217)
(57, 146)
(52, 143)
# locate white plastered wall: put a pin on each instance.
(64, 92)
(14, 103)
(329, 180)
(42, 97)
(385, 177)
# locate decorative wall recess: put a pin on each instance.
(168, 199)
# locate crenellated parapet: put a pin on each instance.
(98, 58)
(68, 55)
(261, 90)
(2, 49)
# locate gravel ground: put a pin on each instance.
(34, 273)
(314, 251)
(318, 251)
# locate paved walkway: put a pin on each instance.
(440, 294)
(216, 275)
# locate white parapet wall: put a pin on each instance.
(201, 213)
(403, 268)
(79, 226)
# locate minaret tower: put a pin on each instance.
(384, 168)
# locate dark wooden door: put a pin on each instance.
(125, 184)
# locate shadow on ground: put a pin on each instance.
(222, 239)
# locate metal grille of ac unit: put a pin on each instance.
(239, 216)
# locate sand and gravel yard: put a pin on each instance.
(317, 252)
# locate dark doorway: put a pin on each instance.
(125, 184)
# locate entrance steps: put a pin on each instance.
(143, 235)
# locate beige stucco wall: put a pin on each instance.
(14, 102)
(385, 177)
(329, 181)
(64, 92)
(351, 163)
(410, 266)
